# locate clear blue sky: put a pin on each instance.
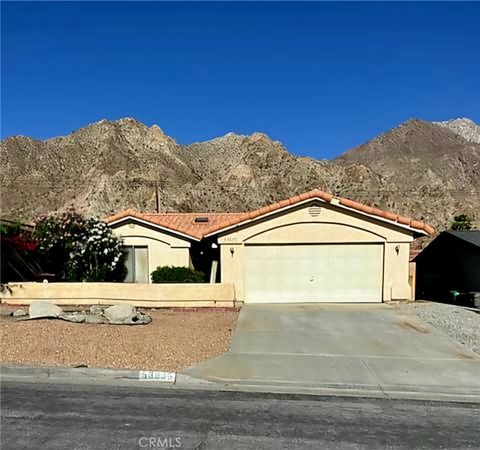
(320, 77)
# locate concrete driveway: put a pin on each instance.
(379, 348)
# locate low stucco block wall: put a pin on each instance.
(144, 295)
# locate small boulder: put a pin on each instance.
(94, 319)
(118, 314)
(96, 310)
(138, 319)
(19, 313)
(43, 309)
(73, 317)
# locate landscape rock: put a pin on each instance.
(74, 317)
(43, 309)
(122, 313)
(96, 310)
(94, 319)
(138, 319)
(461, 324)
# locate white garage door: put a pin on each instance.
(314, 273)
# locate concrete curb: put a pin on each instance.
(427, 393)
(172, 380)
(58, 373)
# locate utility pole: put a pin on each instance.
(157, 199)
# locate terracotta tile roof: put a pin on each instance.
(185, 222)
(317, 193)
(181, 222)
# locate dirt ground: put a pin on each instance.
(172, 341)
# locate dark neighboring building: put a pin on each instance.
(451, 262)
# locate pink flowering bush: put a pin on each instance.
(18, 254)
(79, 249)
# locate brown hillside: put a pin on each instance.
(426, 170)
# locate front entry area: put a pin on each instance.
(329, 273)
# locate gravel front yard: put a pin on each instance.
(459, 323)
(174, 340)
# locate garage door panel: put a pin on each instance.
(314, 273)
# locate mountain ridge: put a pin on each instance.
(427, 170)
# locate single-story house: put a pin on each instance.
(313, 247)
(451, 262)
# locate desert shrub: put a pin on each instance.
(79, 249)
(177, 274)
(461, 222)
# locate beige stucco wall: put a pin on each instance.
(332, 225)
(145, 295)
(396, 272)
(164, 249)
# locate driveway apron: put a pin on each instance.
(363, 347)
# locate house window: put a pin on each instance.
(137, 264)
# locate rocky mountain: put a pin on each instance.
(428, 170)
(465, 128)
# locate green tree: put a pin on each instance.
(461, 222)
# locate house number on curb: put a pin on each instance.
(156, 375)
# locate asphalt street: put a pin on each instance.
(92, 417)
